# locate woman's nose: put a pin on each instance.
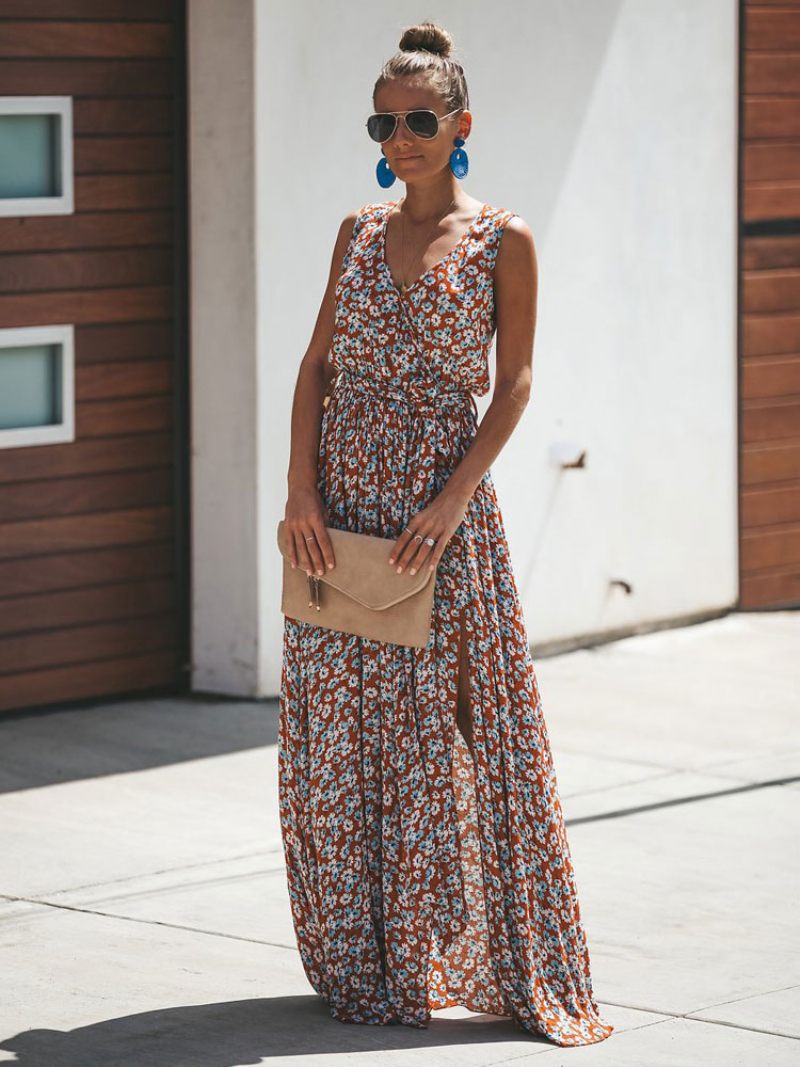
(402, 133)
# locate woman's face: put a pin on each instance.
(410, 157)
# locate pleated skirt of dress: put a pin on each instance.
(420, 877)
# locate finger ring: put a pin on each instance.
(311, 538)
(430, 541)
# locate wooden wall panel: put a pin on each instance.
(769, 305)
(93, 568)
(82, 39)
(55, 684)
(78, 568)
(90, 77)
(87, 230)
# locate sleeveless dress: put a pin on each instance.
(421, 877)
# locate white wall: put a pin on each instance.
(611, 128)
(224, 485)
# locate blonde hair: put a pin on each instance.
(425, 50)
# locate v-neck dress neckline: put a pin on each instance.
(390, 205)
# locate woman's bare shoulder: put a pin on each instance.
(516, 236)
(354, 218)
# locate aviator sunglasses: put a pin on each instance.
(421, 122)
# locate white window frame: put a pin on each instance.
(64, 336)
(44, 205)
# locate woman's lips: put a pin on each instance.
(402, 159)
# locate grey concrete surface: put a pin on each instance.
(144, 918)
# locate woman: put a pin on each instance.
(426, 854)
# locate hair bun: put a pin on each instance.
(427, 37)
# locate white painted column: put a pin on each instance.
(224, 400)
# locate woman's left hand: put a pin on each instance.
(439, 520)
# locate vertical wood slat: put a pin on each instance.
(92, 546)
(769, 309)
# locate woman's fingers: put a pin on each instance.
(320, 547)
(301, 551)
(306, 519)
(326, 548)
(437, 552)
(314, 549)
(398, 546)
(409, 552)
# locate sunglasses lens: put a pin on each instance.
(380, 126)
(422, 123)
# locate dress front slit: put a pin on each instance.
(422, 875)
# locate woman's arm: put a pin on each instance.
(515, 289)
(305, 511)
(515, 286)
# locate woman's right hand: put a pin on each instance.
(305, 519)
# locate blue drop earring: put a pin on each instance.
(459, 165)
(386, 175)
(459, 160)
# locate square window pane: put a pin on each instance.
(30, 386)
(30, 149)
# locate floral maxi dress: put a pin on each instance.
(423, 875)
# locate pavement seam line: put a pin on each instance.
(148, 922)
(750, 996)
(674, 801)
(293, 949)
(161, 871)
(689, 1017)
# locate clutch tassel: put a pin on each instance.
(313, 591)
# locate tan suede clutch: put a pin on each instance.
(363, 594)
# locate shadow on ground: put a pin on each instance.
(243, 1032)
(116, 737)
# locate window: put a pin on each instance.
(36, 154)
(37, 385)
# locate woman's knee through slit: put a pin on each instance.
(463, 706)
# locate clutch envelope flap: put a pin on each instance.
(362, 569)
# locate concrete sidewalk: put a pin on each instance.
(144, 918)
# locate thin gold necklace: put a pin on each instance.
(404, 286)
